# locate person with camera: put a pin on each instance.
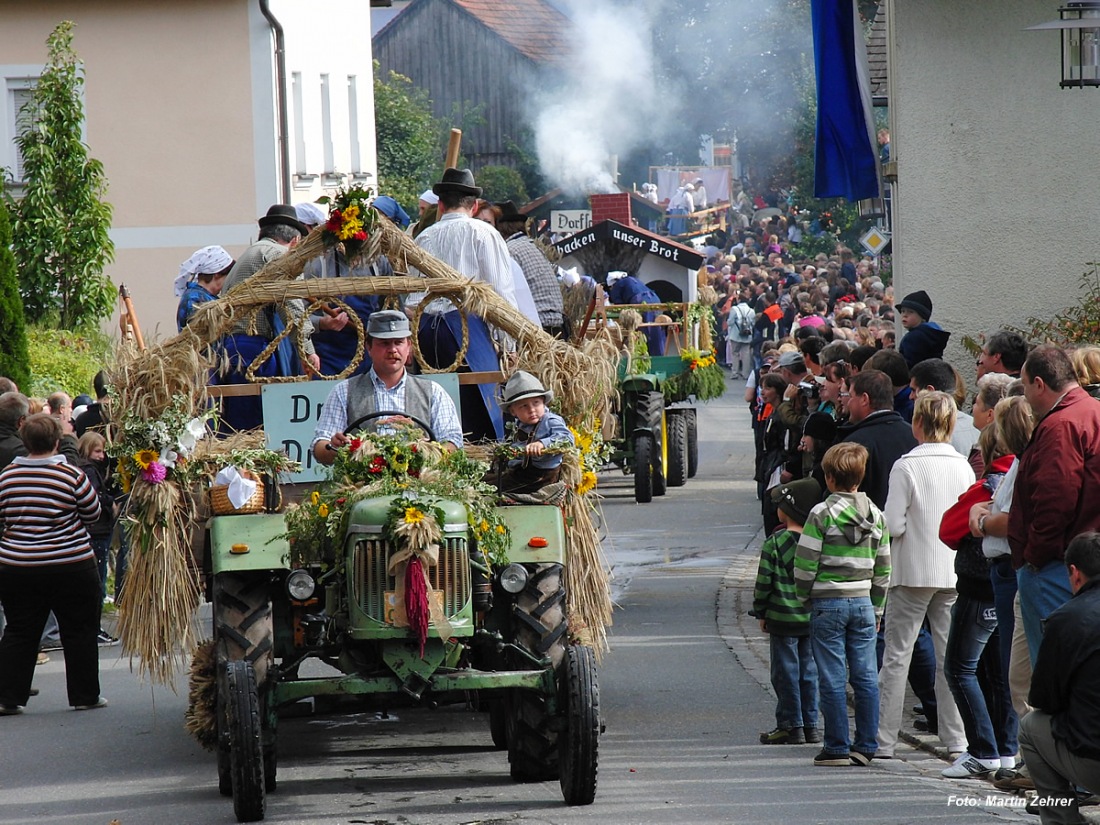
(800, 398)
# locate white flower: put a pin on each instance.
(168, 458)
(192, 433)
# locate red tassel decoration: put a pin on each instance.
(416, 601)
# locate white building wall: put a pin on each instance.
(998, 192)
(328, 46)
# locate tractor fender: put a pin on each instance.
(537, 532)
(252, 542)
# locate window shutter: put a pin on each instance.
(21, 98)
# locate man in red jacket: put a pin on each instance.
(1057, 492)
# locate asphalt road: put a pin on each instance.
(683, 690)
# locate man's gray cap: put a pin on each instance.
(388, 323)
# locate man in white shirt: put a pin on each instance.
(475, 249)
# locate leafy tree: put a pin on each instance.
(61, 222)
(408, 137)
(14, 360)
(499, 183)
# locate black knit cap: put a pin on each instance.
(797, 498)
(919, 302)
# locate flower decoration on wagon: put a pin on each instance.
(153, 450)
(595, 452)
(350, 220)
(701, 377)
(402, 464)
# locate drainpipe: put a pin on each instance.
(280, 102)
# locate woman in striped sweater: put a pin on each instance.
(47, 563)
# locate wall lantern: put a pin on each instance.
(1079, 24)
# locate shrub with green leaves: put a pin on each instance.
(14, 361)
(65, 360)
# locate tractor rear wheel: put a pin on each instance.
(651, 416)
(693, 441)
(498, 723)
(677, 448)
(242, 620)
(532, 744)
(540, 629)
(578, 744)
(246, 757)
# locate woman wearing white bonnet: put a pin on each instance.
(200, 279)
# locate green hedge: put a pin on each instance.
(65, 360)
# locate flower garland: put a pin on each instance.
(702, 378)
(373, 465)
(350, 218)
(414, 526)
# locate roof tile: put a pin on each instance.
(533, 27)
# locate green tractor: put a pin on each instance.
(504, 645)
(658, 443)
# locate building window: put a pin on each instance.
(14, 120)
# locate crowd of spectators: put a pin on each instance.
(980, 509)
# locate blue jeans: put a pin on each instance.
(1042, 591)
(794, 678)
(844, 649)
(991, 726)
(1003, 578)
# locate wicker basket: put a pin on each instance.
(222, 506)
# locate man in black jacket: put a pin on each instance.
(873, 423)
(1060, 738)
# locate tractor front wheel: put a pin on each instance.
(578, 744)
(693, 441)
(643, 468)
(677, 448)
(246, 756)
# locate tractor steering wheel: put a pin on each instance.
(386, 413)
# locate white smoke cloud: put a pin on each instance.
(606, 100)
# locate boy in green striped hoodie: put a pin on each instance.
(787, 621)
(842, 570)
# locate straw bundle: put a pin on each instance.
(157, 608)
(201, 718)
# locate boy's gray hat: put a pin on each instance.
(521, 385)
(388, 323)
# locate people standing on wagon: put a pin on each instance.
(200, 279)
(474, 249)
(280, 231)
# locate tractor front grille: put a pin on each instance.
(371, 583)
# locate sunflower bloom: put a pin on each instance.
(322, 511)
(143, 458)
(413, 515)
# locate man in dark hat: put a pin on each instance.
(336, 337)
(387, 386)
(474, 249)
(280, 231)
(539, 272)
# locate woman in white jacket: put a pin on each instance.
(924, 483)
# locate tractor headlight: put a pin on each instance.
(513, 578)
(300, 585)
